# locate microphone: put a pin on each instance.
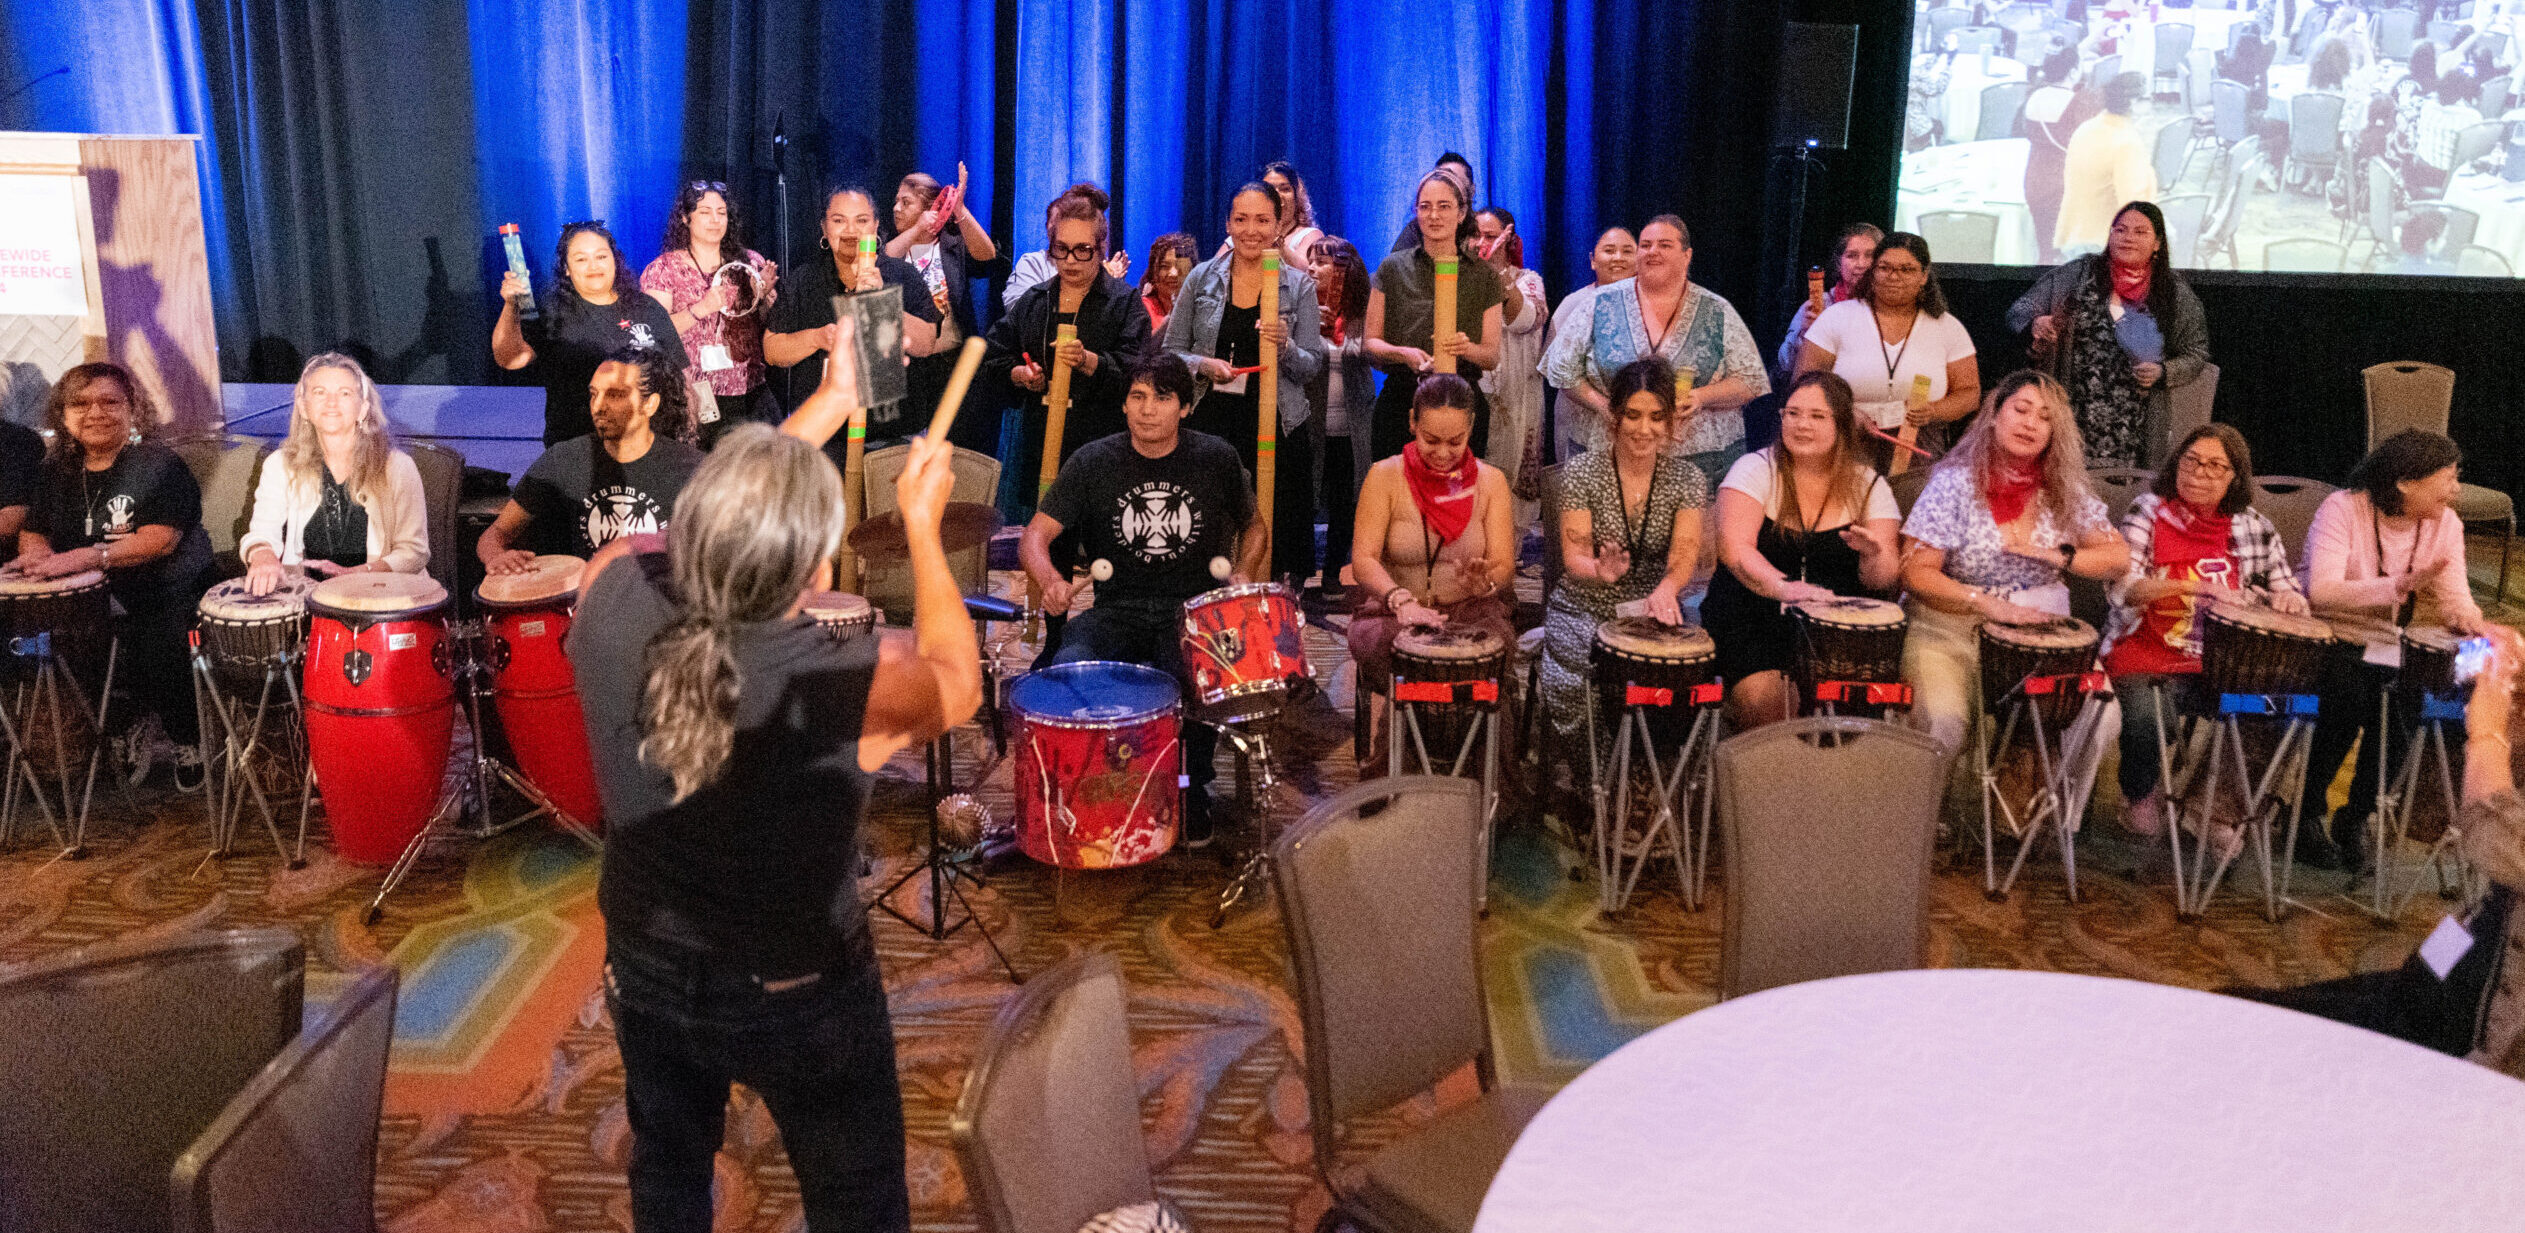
(992, 608)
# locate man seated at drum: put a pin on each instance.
(1630, 535)
(2005, 517)
(337, 497)
(1804, 520)
(2194, 539)
(2375, 547)
(1433, 502)
(1165, 506)
(620, 480)
(131, 509)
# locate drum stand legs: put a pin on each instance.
(2059, 802)
(38, 704)
(1253, 745)
(1677, 800)
(2277, 787)
(2426, 767)
(476, 780)
(234, 770)
(942, 870)
(1404, 717)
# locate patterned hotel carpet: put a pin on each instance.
(504, 1109)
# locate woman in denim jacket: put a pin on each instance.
(1217, 329)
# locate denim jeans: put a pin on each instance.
(820, 1053)
(1144, 633)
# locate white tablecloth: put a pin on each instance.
(2209, 29)
(2501, 206)
(1998, 1100)
(1960, 107)
(1988, 176)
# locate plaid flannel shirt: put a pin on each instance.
(2261, 561)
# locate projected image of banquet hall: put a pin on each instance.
(2289, 136)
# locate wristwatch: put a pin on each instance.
(2068, 554)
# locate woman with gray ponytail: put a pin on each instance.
(735, 742)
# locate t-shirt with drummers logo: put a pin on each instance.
(581, 499)
(1159, 520)
(147, 486)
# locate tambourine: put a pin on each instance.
(740, 286)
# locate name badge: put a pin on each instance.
(1235, 385)
(2383, 654)
(2446, 946)
(715, 358)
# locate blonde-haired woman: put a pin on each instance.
(2006, 516)
(338, 497)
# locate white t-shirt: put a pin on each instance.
(1754, 476)
(1859, 354)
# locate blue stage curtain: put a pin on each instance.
(1064, 107)
(579, 113)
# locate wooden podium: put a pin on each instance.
(143, 270)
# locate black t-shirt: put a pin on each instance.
(21, 467)
(574, 336)
(148, 485)
(338, 529)
(806, 303)
(1159, 520)
(581, 499)
(758, 868)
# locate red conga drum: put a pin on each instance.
(532, 686)
(381, 711)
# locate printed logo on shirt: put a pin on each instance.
(119, 511)
(1159, 522)
(619, 511)
(641, 334)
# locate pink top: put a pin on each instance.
(2351, 551)
(685, 284)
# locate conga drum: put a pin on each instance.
(1244, 646)
(532, 685)
(381, 709)
(246, 637)
(2063, 646)
(69, 618)
(1667, 669)
(1846, 641)
(842, 614)
(1098, 752)
(1441, 673)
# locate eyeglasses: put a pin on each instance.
(2210, 467)
(1071, 252)
(710, 186)
(1901, 271)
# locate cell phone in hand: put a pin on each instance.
(2471, 656)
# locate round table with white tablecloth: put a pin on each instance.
(2209, 29)
(1969, 1100)
(2501, 205)
(1959, 109)
(1984, 176)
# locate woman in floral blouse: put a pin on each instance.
(724, 347)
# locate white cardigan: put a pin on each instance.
(398, 524)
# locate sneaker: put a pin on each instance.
(145, 745)
(1198, 830)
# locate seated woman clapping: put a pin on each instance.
(1805, 519)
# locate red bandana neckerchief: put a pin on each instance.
(2009, 489)
(1444, 498)
(2131, 281)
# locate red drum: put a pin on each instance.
(381, 711)
(1243, 647)
(532, 686)
(1098, 756)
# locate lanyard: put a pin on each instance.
(1893, 355)
(1657, 339)
(2376, 527)
(1648, 504)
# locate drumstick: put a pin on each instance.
(967, 361)
(1267, 400)
(854, 497)
(1911, 432)
(1873, 430)
(1814, 291)
(1442, 316)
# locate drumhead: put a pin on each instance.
(2057, 634)
(838, 608)
(2267, 620)
(1093, 694)
(1449, 644)
(1648, 638)
(67, 584)
(1238, 591)
(549, 578)
(1852, 611)
(378, 594)
(231, 601)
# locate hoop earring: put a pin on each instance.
(824, 243)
